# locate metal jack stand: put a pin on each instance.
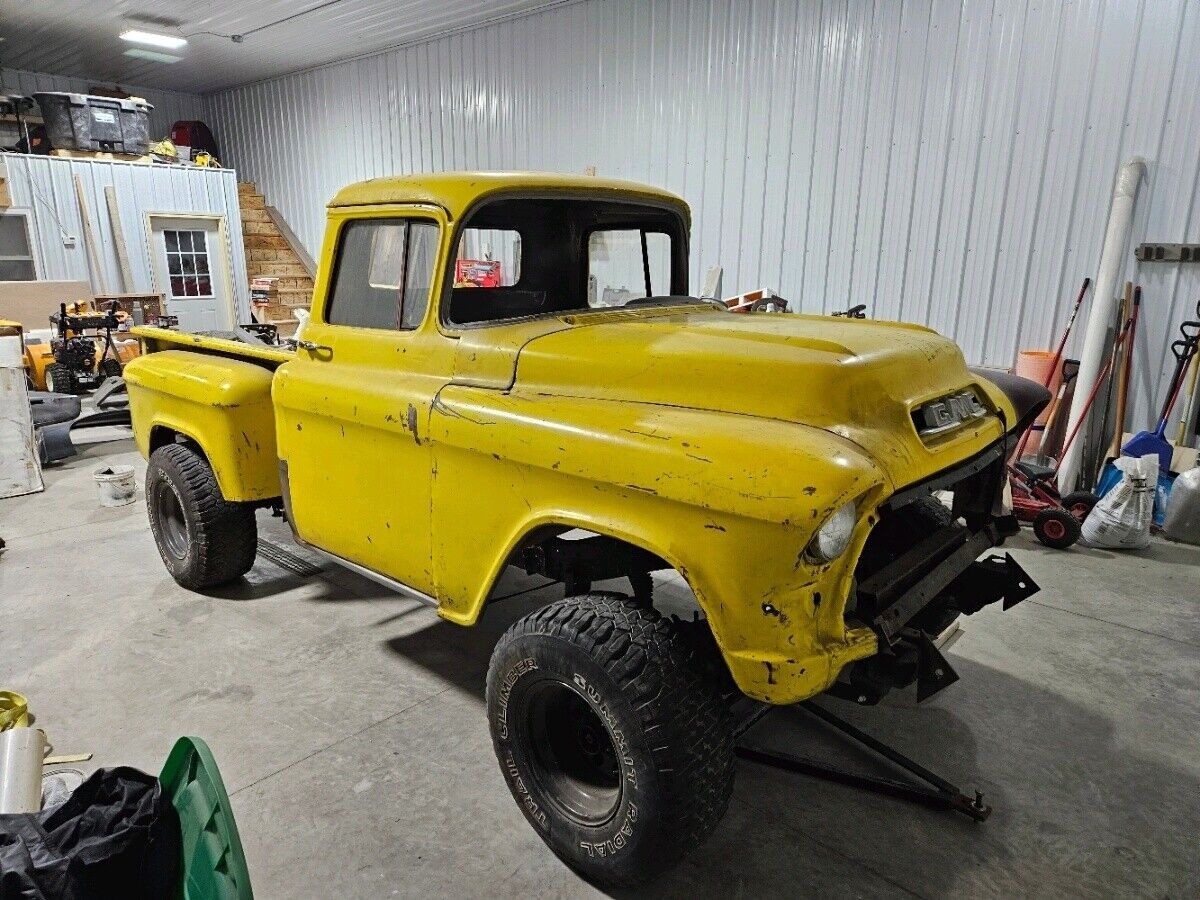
(940, 794)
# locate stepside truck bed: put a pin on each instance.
(214, 393)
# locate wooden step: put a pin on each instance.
(252, 201)
(295, 282)
(255, 215)
(259, 228)
(280, 270)
(266, 242)
(248, 187)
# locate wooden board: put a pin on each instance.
(20, 470)
(32, 302)
(281, 225)
(89, 236)
(114, 217)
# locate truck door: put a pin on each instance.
(352, 409)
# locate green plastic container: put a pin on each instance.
(214, 867)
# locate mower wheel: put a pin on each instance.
(61, 380)
(1080, 503)
(613, 732)
(204, 539)
(1056, 528)
(110, 368)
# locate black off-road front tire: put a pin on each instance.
(204, 540)
(110, 368)
(613, 733)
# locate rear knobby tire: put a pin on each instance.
(613, 733)
(110, 368)
(60, 380)
(204, 540)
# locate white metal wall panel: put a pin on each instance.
(169, 106)
(944, 161)
(44, 186)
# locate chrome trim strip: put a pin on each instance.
(397, 586)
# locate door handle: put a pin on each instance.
(312, 347)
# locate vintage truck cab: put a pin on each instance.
(507, 370)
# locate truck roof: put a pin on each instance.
(456, 191)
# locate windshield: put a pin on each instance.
(517, 258)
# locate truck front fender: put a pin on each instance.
(221, 404)
(731, 502)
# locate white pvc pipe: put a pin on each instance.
(1104, 310)
(21, 753)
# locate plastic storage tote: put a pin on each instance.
(87, 122)
(214, 867)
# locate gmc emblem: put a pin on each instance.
(947, 412)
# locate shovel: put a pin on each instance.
(1146, 442)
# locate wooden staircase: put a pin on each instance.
(273, 251)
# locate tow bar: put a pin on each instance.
(936, 793)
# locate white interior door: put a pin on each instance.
(190, 268)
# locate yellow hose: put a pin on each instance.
(14, 710)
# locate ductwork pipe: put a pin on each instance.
(1104, 310)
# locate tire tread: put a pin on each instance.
(225, 534)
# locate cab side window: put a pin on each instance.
(383, 275)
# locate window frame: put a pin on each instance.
(192, 253)
(391, 217)
(27, 216)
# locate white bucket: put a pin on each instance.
(116, 485)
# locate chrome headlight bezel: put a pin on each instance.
(833, 538)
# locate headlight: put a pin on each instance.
(832, 539)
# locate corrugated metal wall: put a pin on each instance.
(944, 161)
(169, 106)
(44, 187)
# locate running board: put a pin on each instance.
(398, 586)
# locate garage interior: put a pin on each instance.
(1021, 177)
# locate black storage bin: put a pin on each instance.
(87, 122)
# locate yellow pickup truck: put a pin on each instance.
(507, 370)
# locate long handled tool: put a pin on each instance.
(1109, 475)
(1145, 442)
(1062, 344)
(1091, 398)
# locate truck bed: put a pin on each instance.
(155, 339)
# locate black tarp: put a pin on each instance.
(117, 835)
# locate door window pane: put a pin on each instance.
(187, 255)
(620, 263)
(16, 253)
(384, 274)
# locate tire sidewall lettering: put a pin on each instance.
(607, 840)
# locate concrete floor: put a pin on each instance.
(348, 723)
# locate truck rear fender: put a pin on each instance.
(222, 405)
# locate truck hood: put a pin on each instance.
(860, 379)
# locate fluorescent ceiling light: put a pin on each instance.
(152, 55)
(153, 39)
